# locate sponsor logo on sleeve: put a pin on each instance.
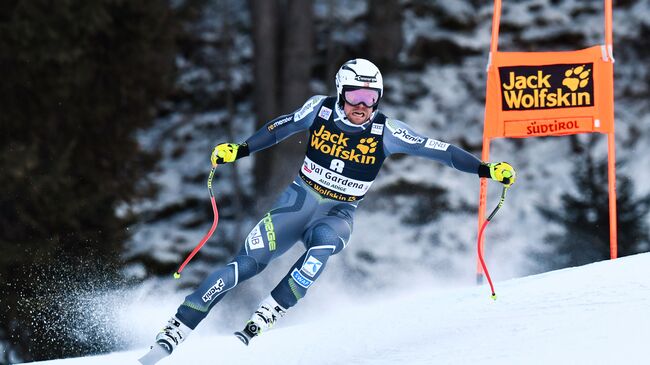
(403, 134)
(406, 136)
(311, 266)
(300, 279)
(279, 123)
(377, 129)
(307, 108)
(436, 145)
(214, 290)
(325, 112)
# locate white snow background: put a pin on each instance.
(418, 304)
(595, 314)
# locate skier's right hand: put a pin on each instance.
(228, 152)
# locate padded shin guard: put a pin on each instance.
(302, 275)
(197, 305)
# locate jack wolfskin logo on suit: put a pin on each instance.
(336, 144)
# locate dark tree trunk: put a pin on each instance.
(384, 32)
(335, 54)
(227, 67)
(289, 78)
(297, 54)
(265, 41)
(295, 67)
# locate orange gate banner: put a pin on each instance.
(531, 94)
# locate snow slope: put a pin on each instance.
(596, 314)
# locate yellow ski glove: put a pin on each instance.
(228, 152)
(502, 172)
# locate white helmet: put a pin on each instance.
(358, 73)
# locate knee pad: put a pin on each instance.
(324, 235)
(248, 267)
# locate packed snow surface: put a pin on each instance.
(595, 314)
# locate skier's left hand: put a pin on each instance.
(502, 172)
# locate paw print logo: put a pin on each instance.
(576, 77)
(367, 145)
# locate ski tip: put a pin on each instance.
(155, 354)
(242, 337)
(177, 275)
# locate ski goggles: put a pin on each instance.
(367, 97)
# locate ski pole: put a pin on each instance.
(480, 239)
(205, 238)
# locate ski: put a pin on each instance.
(155, 354)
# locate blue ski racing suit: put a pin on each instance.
(341, 162)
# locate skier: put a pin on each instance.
(348, 142)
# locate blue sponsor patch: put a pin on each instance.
(300, 279)
(311, 266)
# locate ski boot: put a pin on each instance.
(263, 319)
(167, 339)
